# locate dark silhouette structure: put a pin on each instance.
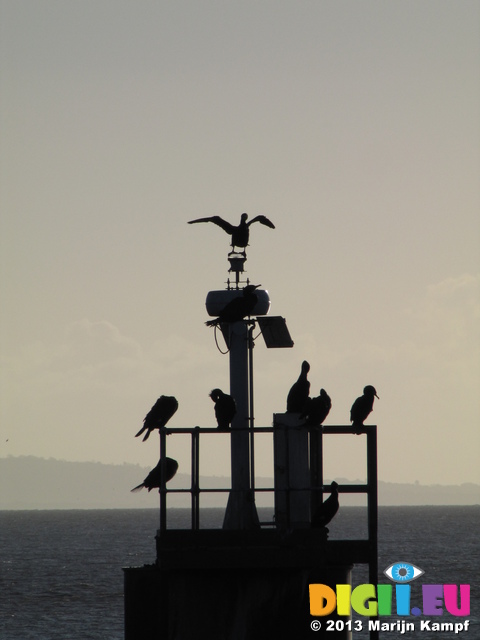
(298, 395)
(317, 409)
(238, 308)
(225, 408)
(252, 579)
(154, 478)
(327, 510)
(159, 415)
(362, 407)
(240, 234)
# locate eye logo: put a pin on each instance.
(403, 572)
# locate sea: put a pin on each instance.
(61, 571)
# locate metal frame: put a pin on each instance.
(316, 460)
(317, 488)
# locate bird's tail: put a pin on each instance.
(212, 323)
(140, 432)
(358, 426)
(139, 488)
(145, 437)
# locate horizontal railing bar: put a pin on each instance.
(326, 429)
(172, 430)
(347, 429)
(349, 488)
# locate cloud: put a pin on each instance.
(99, 341)
(444, 326)
(70, 396)
(96, 356)
(85, 394)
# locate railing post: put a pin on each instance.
(163, 483)
(316, 468)
(251, 417)
(372, 482)
(195, 478)
(372, 497)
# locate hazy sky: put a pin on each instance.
(354, 126)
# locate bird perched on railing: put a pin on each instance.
(239, 234)
(154, 478)
(327, 510)
(225, 408)
(298, 395)
(317, 409)
(159, 415)
(363, 406)
(238, 308)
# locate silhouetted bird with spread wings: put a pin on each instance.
(363, 406)
(327, 510)
(154, 478)
(238, 308)
(240, 234)
(317, 409)
(159, 415)
(298, 395)
(225, 408)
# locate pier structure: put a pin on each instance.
(250, 579)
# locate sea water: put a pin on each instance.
(61, 571)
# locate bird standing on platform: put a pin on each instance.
(154, 478)
(317, 409)
(238, 308)
(327, 510)
(363, 406)
(240, 234)
(159, 415)
(298, 395)
(225, 408)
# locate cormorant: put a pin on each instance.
(225, 408)
(299, 392)
(317, 409)
(159, 415)
(240, 234)
(238, 308)
(327, 510)
(153, 480)
(362, 407)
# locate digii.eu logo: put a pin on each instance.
(390, 599)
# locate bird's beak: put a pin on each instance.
(257, 285)
(377, 396)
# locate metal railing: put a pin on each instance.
(316, 471)
(316, 488)
(195, 490)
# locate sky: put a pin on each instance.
(353, 126)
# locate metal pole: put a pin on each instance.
(372, 499)
(195, 489)
(372, 482)
(252, 417)
(240, 512)
(163, 483)
(316, 468)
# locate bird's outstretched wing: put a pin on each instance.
(138, 488)
(263, 220)
(226, 226)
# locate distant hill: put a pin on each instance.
(28, 482)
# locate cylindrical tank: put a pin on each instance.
(217, 300)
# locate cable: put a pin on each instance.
(216, 342)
